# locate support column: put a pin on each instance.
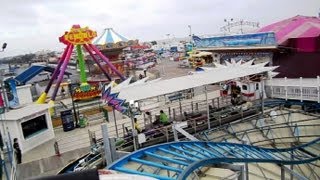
(246, 166)
(106, 60)
(286, 88)
(301, 95)
(192, 106)
(133, 129)
(283, 173)
(61, 72)
(180, 107)
(318, 88)
(262, 97)
(207, 105)
(175, 133)
(115, 122)
(56, 71)
(106, 144)
(271, 87)
(97, 62)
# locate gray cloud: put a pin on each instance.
(32, 25)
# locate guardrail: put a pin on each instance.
(176, 112)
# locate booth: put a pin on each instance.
(31, 124)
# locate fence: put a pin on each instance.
(122, 129)
(303, 89)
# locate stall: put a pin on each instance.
(31, 124)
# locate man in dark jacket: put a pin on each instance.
(17, 150)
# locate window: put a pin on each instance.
(34, 126)
(244, 87)
(257, 86)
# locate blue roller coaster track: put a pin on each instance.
(177, 160)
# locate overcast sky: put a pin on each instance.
(32, 25)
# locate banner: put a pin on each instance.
(257, 39)
(2, 108)
(12, 95)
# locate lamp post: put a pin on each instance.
(190, 32)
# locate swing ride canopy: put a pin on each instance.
(109, 36)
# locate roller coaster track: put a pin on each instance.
(177, 160)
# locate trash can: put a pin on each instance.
(82, 121)
(67, 120)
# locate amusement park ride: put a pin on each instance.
(79, 38)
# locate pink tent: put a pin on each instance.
(295, 27)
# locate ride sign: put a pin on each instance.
(78, 35)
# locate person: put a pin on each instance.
(17, 150)
(145, 72)
(148, 120)
(136, 125)
(1, 142)
(63, 92)
(163, 118)
(140, 76)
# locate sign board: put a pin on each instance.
(67, 120)
(257, 39)
(78, 35)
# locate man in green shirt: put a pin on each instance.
(163, 118)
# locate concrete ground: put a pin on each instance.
(166, 68)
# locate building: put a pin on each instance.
(298, 43)
(258, 46)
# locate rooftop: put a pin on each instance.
(25, 112)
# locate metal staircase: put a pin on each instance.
(178, 160)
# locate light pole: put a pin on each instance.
(190, 33)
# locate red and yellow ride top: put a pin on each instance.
(78, 35)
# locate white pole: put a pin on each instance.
(271, 87)
(207, 104)
(106, 144)
(286, 87)
(318, 87)
(301, 89)
(133, 129)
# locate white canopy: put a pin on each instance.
(223, 73)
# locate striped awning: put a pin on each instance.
(109, 36)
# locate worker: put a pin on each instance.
(163, 118)
(136, 125)
(17, 150)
